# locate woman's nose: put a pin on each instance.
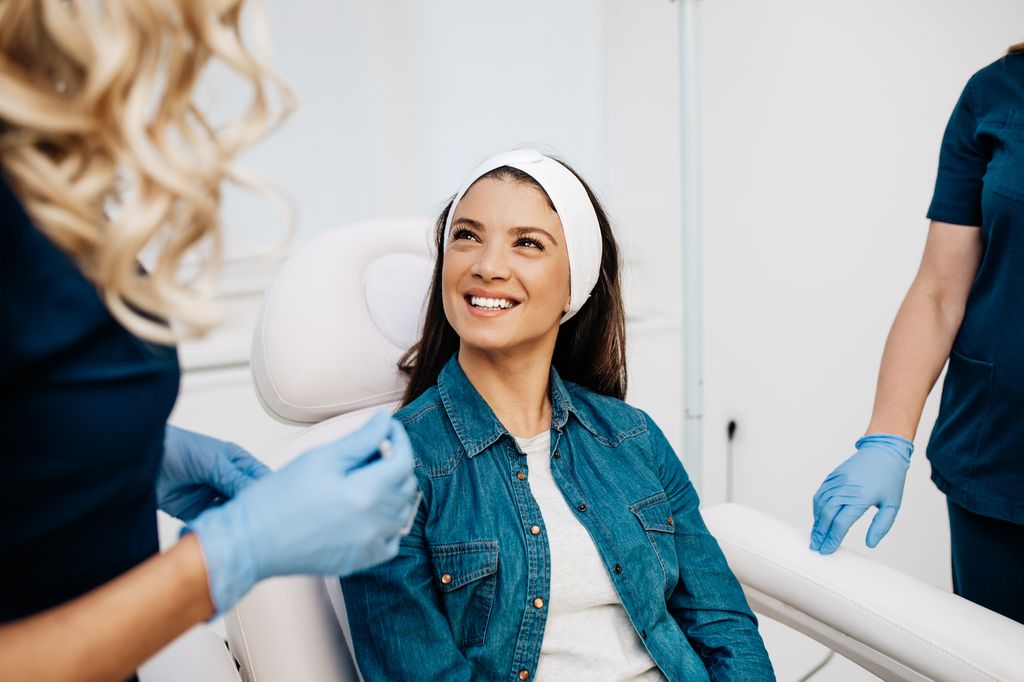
(491, 263)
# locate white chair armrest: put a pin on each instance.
(199, 654)
(893, 625)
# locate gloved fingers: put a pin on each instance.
(236, 471)
(244, 461)
(409, 487)
(392, 500)
(353, 449)
(832, 483)
(823, 518)
(189, 501)
(846, 517)
(396, 468)
(880, 525)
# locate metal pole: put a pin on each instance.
(693, 329)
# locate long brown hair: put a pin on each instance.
(591, 346)
(1014, 49)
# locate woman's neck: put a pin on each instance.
(514, 385)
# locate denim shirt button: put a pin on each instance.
(671, 522)
(446, 579)
(643, 634)
(617, 568)
(556, 455)
(520, 475)
(538, 603)
(524, 674)
(535, 530)
(582, 506)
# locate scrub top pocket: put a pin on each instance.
(963, 415)
(1006, 173)
(466, 574)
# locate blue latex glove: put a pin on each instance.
(872, 477)
(198, 472)
(334, 510)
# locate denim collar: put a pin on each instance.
(473, 419)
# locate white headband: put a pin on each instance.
(574, 208)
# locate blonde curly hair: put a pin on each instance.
(104, 144)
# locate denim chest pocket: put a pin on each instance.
(655, 516)
(1007, 170)
(466, 574)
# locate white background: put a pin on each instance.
(821, 126)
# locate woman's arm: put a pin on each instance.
(708, 602)
(926, 325)
(108, 633)
(399, 630)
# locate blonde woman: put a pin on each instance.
(103, 153)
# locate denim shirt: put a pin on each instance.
(457, 603)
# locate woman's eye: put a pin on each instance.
(531, 243)
(463, 234)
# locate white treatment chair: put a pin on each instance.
(335, 321)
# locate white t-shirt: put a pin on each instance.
(588, 635)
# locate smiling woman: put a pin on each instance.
(559, 536)
(590, 346)
(505, 285)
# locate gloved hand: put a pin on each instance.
(329, 512)
(872, 477)
(198, 472)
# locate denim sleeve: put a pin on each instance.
(399, 631)
(708, 602)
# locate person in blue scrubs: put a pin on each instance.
(965, 305)
(88, 379)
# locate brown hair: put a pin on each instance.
(1014, 49)
(591, 347)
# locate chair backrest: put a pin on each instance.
(333, 325)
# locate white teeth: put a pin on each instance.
(491, 303)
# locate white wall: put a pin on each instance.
(399, 100)
(822, 123)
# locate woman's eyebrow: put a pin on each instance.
(523, 231)
(475, 224)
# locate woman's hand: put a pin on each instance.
(198, 472)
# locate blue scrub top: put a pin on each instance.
(81, 427)
(977, 445)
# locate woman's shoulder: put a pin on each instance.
(610, 419)
(422, 407)
(434, 441)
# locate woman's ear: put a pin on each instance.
(568, 305)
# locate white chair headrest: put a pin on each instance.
(344, 308)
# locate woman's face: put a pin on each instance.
(505, 278)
